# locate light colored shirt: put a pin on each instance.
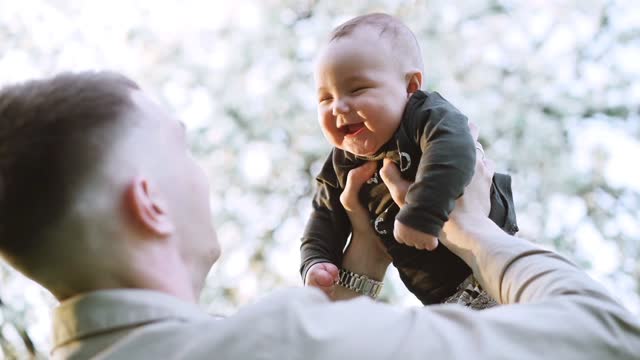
(557, 312)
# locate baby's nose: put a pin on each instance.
(340, 107)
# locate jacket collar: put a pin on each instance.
(108, 310)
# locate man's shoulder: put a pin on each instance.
(288, 296)
(251, 332)
(270, 311)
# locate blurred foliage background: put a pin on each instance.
(553, 85)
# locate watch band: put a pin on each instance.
(360, 283)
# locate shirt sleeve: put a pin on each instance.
(446, 165)
(555, 312)
(328, 227)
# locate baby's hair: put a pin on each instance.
(401, 37)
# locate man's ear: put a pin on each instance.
(148, 209)
(414, 81)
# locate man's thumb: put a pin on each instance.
(389, 172)
(397, 186)
(355, 179)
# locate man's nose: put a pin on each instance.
(340, 107)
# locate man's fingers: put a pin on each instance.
(475, 132)
(358, 215)
(484, 166)
(397, 186)
(390, 171)
(359, 175)
(490, 166)
(355, 179)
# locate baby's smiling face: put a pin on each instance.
(362, 92)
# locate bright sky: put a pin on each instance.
(105, 25)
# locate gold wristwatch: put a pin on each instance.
(361, 284)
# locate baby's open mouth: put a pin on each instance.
(353, 129)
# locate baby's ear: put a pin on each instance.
(414, 81)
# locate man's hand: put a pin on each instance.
(363, 234)
(366, 255)
(474, 205)
(471, 211)
(349, 198)
(324, 276)
(398, 189)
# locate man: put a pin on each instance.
(101, 203)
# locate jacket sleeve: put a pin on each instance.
(328, 227)
(446, 166)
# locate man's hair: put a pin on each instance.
(53, 133)
(399, 34)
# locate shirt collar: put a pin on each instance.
(107, 310)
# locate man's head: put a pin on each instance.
(364, 76)
(98, 189)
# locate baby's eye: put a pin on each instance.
(359, 89)
(324, 99)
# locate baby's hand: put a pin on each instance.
(412, 237)
(324, 276)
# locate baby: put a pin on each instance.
(371, 108)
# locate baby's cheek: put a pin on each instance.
(330, 133)
(326, 119)
(372, 106)
(388, 116)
